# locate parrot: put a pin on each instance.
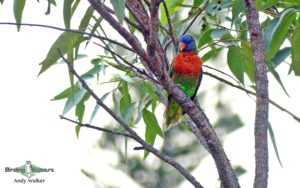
(186, 72)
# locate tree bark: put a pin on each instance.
(262, 97)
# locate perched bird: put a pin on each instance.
(186, 72)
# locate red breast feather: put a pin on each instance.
(187, 63)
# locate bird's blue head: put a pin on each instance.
(187, 43)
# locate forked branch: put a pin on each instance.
(131, 132)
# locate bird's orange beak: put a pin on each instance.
(181, 46)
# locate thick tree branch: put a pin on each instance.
(138, 10)
(262, 97)
(133, 134)
(226, 173)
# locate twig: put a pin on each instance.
(97, 128)
(196, 132)
(130, 22)
(132, 67)
(71, 31)
(188, 27)
(173, 37)
(262, 97)
(139, 148)
(252, 93)
(224, 73)
(195, 18)
(134, 135)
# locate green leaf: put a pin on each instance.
(65, 42)
(296, 51)
(1, 1)
(237, 7)
(198, 2)
(128, 113)
(92, 72)
(79, 112)
(66, 93)
(88, 174)
(293, 2)
(127, 78)
(276, 75)
(77, 130)
(235, 63)
(131, 28)
(267, 34)
(280, 31)
(172, 6)
(205, 38)
(86, 18)
(18, 11)
(126, 98)
(70, 58)
(218, 33)
(116, 103)
(53, 2)
(151, 122)
(239, 170)
(280, 56)
(150, 139)
(74, 99)
(67, 13)
(80, 107)
(211, 54)
(226, 4)
(74, 7)
(119, 9)
(264, 4)
(248, 62)
(271, 133)
(97, 107)
(152, 129)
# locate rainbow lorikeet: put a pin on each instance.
(186, 72)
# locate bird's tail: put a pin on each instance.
(173, 114)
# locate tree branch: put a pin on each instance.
(71, 31)
(195, 18)
(226, 172)
(262, 97)
(97, 128)
(253, 93)
(133, 134)
(172, 34)
(134, 69)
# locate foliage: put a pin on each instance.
(223, 27)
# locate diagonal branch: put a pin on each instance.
(226, 172)
(262, 97)
(133, 134)
(133, 68)
(195, 18)
(253, 93)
